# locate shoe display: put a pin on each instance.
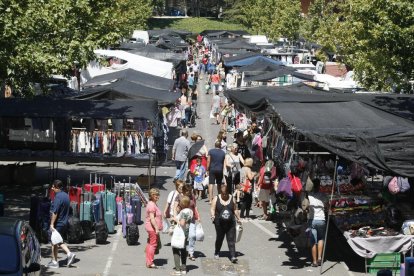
(53, 264)
(71, 258)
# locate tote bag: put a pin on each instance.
(178, 238)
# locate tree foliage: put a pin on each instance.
(374, 37)
(44, 37)
(273, 18)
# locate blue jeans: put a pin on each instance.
(191, 238)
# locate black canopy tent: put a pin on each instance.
(350, 127)
(263, 70)
(67, 108)
(123, 89)
(151, 51)
(131, 75)
(223, 33)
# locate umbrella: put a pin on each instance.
(194, 149)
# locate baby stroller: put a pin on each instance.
(192, 160)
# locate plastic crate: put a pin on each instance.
(391, 261)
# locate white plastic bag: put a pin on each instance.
(212, 115)
(165, 225)
(178, 238)
(239, 232)
(199, 232)
(205, 181)
(56, 238)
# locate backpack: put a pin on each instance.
(393, 186)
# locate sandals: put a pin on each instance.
(191, 257)
(153, 266)
(314, 265)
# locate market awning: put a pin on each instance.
(355, 131)
(134, 76)
(63, 108)
(122, 89)
(364, 128)
(243, 60)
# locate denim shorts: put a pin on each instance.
(318, 229)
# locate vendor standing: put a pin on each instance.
(318, 203)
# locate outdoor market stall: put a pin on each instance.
(308, 128)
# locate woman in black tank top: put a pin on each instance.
(224, 218)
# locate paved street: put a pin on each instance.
(265, 249)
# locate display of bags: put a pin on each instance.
(178, 238)
(199, 232)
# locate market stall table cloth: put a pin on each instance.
(369, 247)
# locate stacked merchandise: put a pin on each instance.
(352, 213)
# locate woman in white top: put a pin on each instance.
(233, 163)
(318, 202)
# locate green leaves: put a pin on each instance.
(373, 37)
(40, 38)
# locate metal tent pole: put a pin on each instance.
(329, 216)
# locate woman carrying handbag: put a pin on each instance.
(246, 181)
(179, 239)
(224, 218)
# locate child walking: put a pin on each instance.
(199, 175)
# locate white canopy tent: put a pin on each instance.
(133, 61)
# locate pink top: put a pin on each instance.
(152, 208)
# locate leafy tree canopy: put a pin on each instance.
(44, 37)
(273, 18)
(374, 37)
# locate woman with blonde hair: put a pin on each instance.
(153, 225)
(233, 163)
(247, 181)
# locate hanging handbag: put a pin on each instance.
(178, 238)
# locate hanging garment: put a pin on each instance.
(125, 143)
(73, 142)
(87, 142)
(105, 143)
(129, 144)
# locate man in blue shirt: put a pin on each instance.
(215, 163)
(59, 222)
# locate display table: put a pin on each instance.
(369, 247)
